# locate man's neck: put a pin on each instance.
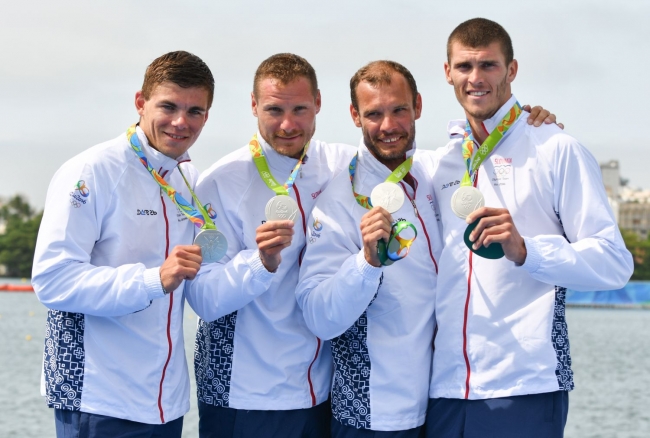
(478, 131)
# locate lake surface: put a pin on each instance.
(610, 350)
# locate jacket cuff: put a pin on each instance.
(152, 283)
(533, 256)
(366, 270)
(257, 267)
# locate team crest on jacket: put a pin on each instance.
(79, 195)
(502, 170)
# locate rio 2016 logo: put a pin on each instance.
(317, 225)
(79, 194)
(211, 212)
(82, 188)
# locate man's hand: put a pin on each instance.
(539, 115)
(182, 264)
(496, 226)
(375, 225)
(272, 237)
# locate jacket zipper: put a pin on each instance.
(302, 252)
(466, 312)
(169, 315)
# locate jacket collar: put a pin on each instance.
(160, 162)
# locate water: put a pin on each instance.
(610, 350)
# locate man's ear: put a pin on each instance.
(139, 102)
(448, 74)
(418, 106)
(253, 104)
(318, 101)
(355, 116)
(512, 71)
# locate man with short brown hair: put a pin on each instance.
(524, 216)
(259, 370)
(113, 252)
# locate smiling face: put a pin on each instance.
(286, 114)
(173, 117)
(387, 118)
(481, 79)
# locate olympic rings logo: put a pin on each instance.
(502, 170)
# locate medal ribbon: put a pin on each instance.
(488, 145)
(263, 168)
(199, 216)
(386, 256)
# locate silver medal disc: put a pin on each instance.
(387, 195)
(466, 200)
(213, 245)
(281, 208)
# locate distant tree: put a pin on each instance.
(640, 250)
(19, 240)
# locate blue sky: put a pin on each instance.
(70, 69)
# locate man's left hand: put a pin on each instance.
(539, 115)
(496, 226)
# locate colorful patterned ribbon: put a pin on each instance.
(387, 257)
(199, 217)
(488, 145)
(263, 168)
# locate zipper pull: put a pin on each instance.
(415, 208)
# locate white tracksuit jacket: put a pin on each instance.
(503, 332)
(380, 320)
(114, 341)
(253, 349)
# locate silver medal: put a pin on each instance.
(387, 195)
(213, 245)
(281, 208)
(466, 200)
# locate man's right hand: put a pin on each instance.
(375, 225)
(272, 237)
(182, 264)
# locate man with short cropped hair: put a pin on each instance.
(502, 364)
(376, 306)
(259, 370)
(113, 252)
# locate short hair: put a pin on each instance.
(183, 69)
(285, 68)
(481, 32)
(379, 73)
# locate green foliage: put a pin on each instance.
(640, 250)
(19, 240)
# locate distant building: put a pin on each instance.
(635, 216)
(611, 178)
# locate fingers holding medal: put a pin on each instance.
(277, 232)
(492, 230)
(375, 230)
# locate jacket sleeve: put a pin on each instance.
(336, 284)
(231, 283)
(592, 255)
(62, 275)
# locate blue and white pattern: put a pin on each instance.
(560, 339)
(213, 353)
(351, 382)
(64, 359)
